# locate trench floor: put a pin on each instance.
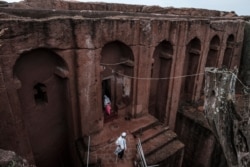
(103, 143)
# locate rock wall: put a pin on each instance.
(227, 116)
(245, 70)
(77, 41)
(97, 6)
(201, 146)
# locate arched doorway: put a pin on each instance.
(44, 103)
(117, 62)
(161, 69)
(228, 55)
(190, 68)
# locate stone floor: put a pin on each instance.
(103, 143)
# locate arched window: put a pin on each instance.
(40, 94)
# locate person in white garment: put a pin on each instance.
(121, 144)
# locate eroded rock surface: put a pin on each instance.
(11, 159)
(228, 116)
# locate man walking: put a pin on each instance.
(121, 144)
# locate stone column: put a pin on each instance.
(175, 86)
(13, 133)
(90, 111)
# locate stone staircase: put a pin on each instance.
(160, 145)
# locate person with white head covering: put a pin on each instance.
(121, 144)
(107, 104)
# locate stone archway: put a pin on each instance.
(191, 64)
(117, 62)
(228, 55)
(161, 69)
(212, 56)
(44, 101)
(213, 53)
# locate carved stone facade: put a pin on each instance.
(56, 65)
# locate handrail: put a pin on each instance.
(140, 151)
(141, 154)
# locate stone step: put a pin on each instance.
(171, 153)
(151, 133)
(161, 146)
(156, 143)
(138, 131)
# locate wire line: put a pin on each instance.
(246, 87)
(114, 64)
(167, 78)
(176, 77)
(142, 78)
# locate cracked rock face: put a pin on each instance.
(228, 116)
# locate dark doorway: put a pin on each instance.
(106, 88)
(44, 102)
